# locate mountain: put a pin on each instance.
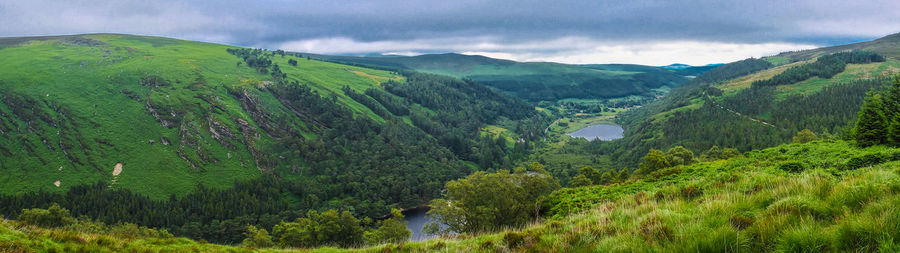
(757, 103)
(163, 118)
(537, 81)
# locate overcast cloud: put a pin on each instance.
(643, 32)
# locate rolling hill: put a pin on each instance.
(158, 117)
(769, 99)
(538, 81)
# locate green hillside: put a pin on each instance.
(766, 103)
(538, 81)
(73, 107)
(161, 119)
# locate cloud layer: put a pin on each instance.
(647, 32)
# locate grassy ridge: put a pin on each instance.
(75, 106)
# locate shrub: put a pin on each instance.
(513, 240)
(691, 192)
(864, 161)
(804, 136)
(257, 238)
(792, 166)
(487, 245)
(55, 216)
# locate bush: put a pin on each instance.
(691, 192)
(863, 161)
(257, 238)
(513, 240)
(55, 216)
(792, 166)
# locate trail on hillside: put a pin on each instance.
(708, 98)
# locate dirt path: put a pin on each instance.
(708, 98)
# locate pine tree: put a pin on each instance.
(871, 127)
(893, 132)
(892, 111)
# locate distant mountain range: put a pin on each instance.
(539, 81)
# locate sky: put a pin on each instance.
(579, 32)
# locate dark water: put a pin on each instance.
(415, 220)
(604, 132)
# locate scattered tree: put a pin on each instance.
(679, 156)
(488, 201)
(653, 161)
(55, 216)
(257, 238)
(390, 230)
(805, 136)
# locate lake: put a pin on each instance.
(604, 132)
(416, 219)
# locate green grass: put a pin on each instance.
(745, 204)
(91, 93)
(852, 72)
(777, 60)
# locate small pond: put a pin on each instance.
(603, 132)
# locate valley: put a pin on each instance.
(115, 142)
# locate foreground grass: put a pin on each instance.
(18, 237)
(826, 196)
(757, 203)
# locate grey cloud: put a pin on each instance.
(270, 23)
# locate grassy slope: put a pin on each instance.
(886, 46)
(745, 204)
(91, 92)
(736, 205)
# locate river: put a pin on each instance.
(603, 132)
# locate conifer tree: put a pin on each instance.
(871, 127)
